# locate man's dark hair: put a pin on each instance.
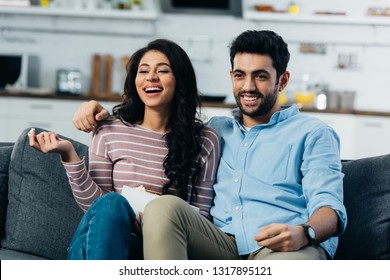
(263, 42)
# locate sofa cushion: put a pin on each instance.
(42, 214)
(5, 155)
(367, 200)
(16, 255)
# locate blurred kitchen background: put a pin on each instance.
(340, 54)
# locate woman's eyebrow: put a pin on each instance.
(158, 64)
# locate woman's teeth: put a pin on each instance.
(153, 89)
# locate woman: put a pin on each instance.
(153, 139)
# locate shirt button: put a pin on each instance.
(237, 208)
(246, 144)
(235, 180)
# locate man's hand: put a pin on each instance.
(87, 116)
(282, 237)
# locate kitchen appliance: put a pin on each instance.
(18, 70)
(347, 99)
(222, 7)
(69, 81)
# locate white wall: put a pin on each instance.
(206, 39)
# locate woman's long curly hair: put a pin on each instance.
(181, 164)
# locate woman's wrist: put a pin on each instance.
(70, 156)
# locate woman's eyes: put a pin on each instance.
(158, 71)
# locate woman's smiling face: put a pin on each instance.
(155, 81)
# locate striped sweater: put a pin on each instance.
(133, 155)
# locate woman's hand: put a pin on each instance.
(49, 142)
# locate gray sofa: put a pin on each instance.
(39, 215)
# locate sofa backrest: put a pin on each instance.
(42, 214)
(367, 200)
(39, 192)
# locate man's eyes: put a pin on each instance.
(261, 77)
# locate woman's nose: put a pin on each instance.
(152, 76)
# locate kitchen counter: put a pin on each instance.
(117, 98)
(362, 133)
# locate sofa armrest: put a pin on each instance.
(5, 157)
(367, 200)
(42, 214)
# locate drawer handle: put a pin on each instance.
(372, 124)
(40, 125)
(41, 106)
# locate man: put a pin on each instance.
(278, 193)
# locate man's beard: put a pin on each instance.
(265, 107)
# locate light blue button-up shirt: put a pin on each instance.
(279, 172)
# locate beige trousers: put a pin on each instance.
(172, 230)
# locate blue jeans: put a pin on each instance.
(105, 232)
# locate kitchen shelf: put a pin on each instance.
(321, 19)
(84, 13)
(102, 22)
(117, 98)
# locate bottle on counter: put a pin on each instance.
(293, 8)
(123, 4)
(136, 5)
(321, 101)
(45, 3)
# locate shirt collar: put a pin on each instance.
(279, 116)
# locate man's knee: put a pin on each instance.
(166, 206)
(164, 213)
(164, 226)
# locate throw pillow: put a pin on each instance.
(42, 214)
(367, 200)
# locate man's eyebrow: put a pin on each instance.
(258, 71)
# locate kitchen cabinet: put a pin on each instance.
(333, 24)
(320, 19)
(345, 127)
(3, 120)
(18, 113)
(207, 112)
(55, 115)
(360, 135)
(91, 21)
(372, 136)
(327, 13)
(147, 14)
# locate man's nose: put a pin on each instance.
(249, 85)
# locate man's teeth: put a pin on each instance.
(250, 98)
